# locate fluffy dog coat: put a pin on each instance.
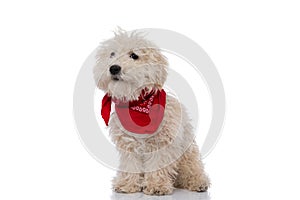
(151, 163)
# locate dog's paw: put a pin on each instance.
(202, 188)
(204, 184)
(199, 185)
(126, 189)
(157, 190)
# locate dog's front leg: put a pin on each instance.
(159, 182)
(126, 182)
(129, 179)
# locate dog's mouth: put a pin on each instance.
(116, 77)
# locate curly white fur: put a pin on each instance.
(169, 158)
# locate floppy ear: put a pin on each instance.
(161, 63)
(101, 78)
(100, 73)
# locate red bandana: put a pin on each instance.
(142, 116)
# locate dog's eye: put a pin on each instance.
(112, 54)
(134, 56)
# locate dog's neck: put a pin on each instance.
(136, 94)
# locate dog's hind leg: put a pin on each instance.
(191, 175)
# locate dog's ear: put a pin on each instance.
(161, 63)
(99, 69)
(100, 79)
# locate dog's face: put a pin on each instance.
(126, 64)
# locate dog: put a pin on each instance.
(149, 127)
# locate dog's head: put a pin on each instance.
(127, 64)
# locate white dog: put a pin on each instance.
(150, 129)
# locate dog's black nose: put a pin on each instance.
(114, 69)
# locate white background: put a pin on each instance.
(254, 44)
